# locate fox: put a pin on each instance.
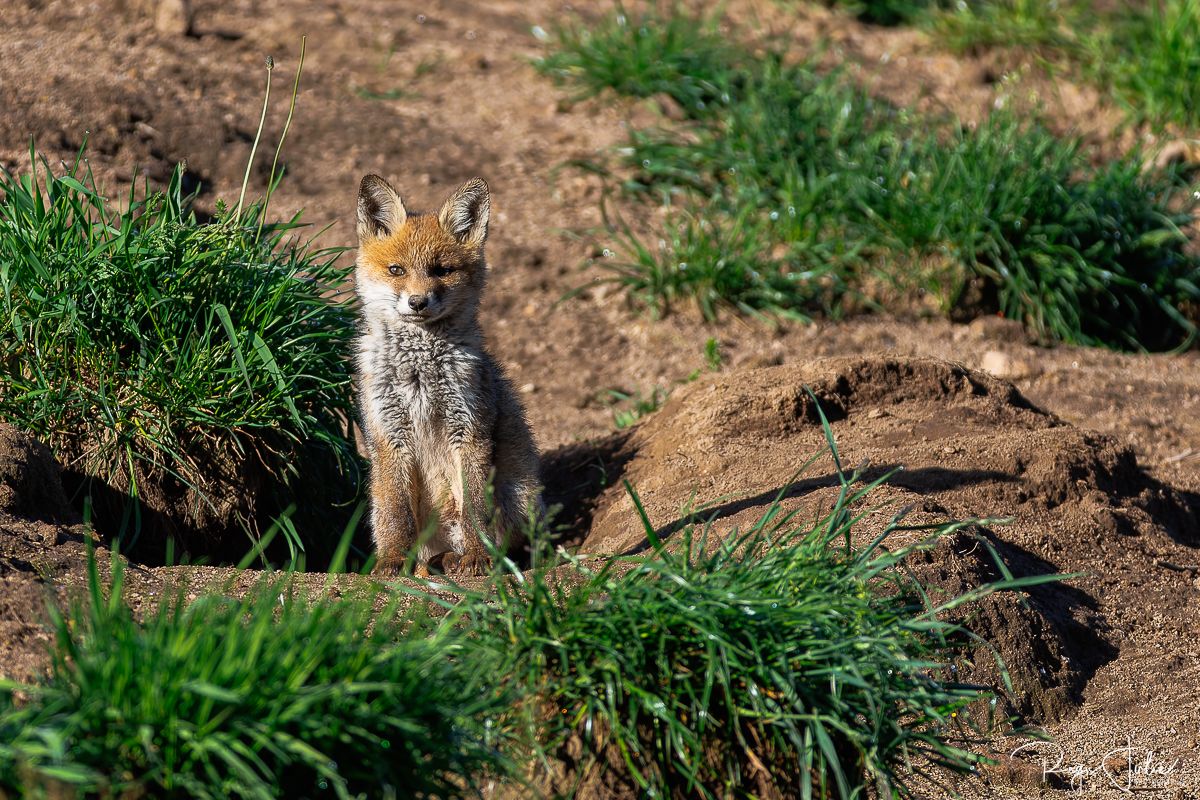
(438, 414)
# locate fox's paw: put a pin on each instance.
(466, 564)
(388, 569)
(395, 567)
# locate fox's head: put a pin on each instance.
(420, 268)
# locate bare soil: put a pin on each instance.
(1094, 455)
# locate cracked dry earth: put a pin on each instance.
(1094, 455)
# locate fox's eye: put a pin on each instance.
(395, 269)
(440, 271)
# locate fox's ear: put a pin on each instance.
(465, 214)
(380, 210)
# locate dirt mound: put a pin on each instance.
(957, 444)
(963, 442)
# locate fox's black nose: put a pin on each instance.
(417, 302)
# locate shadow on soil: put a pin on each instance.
(573, 478)
(921, 481)
(1176, 510)
(1075, 646)
(150, 537)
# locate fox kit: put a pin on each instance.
(438, 414)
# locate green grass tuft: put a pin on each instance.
(195, 367)
(713, 261)
(1153, 55)
(275, 695)
(1146, 51)
(644, 54)
(1036, 25)
(635, 406)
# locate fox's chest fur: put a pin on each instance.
(420, 387)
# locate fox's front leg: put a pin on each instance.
(473, 459)
(393, 522)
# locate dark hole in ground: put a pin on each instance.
(574, 476)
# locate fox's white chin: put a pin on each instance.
(420, 319)
(414, 319)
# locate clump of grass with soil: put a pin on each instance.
(629, 408)
(1151, 55)
(778, 662)
(194, 369)
(275, 695)
(1036, 25)
(642, 54)
(796, 192)
(1146, 51)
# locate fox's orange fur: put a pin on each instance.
(439, 416)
